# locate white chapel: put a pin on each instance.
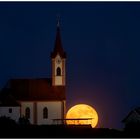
(40, 100)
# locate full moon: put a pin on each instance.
(86, 114)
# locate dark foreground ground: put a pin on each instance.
(32, 131)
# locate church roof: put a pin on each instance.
(36, 90)
(58, 49)
(6, 99)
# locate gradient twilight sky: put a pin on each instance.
(102, 41)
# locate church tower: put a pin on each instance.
(58, 58)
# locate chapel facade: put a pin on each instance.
(40, 100)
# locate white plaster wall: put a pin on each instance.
(15, 114)
(54, 112)
(58, 80)
(24, 105)
(58, 65)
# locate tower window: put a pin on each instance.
(45, 113)
(27, 112)
(10, 110)
(58, 71)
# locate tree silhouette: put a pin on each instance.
(6, 121)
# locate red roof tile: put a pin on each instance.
(36, 89)
(6, 99)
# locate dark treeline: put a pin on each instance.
(23, 129)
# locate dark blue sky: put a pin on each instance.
(102, 41)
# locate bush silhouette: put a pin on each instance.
(6, 121)
(23, 121)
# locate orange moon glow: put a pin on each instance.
(82, 111)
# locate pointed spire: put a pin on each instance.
(58, 49)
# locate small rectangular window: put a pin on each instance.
(10, 110)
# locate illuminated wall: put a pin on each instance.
(54, 112)
(25, 105)
(58, 80)
(55, 109)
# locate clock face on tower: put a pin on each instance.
(58, 60)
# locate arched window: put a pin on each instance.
(58, 71)
(27, 112)
(45, 113)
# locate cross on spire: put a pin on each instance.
(58, 20)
